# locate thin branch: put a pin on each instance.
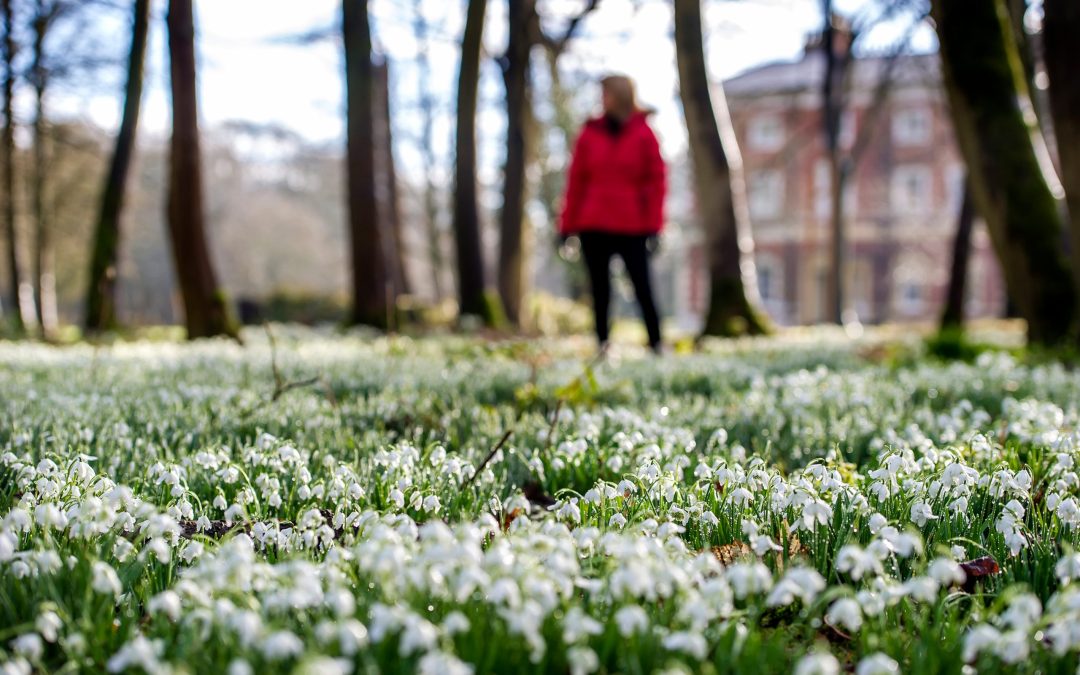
(494, 451)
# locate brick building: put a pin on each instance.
(901, 203)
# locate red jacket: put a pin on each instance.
(617, 180)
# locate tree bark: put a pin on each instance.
(516, 76)
(44, 254)
(104, 260)
(206, 311)
(21, 315)
(386, 174)
(1061, 26)
(953, 314)
(473, 297)
(427, 152)
(719, 185)
(984, 84)
(372, 286)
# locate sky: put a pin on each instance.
(252, 67)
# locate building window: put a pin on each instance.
(766, 193)
(910, 279)
(769, 277)
(911, 189)
(911, 127)
(766, 132)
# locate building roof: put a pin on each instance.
(805, 75)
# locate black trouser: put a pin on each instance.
(598, 249)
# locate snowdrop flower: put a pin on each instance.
(582, 660)
(104, 580)
(48, 623)
(921, 588)
(578, 626)
(440, 663)
(219, 503)
(741, 496)
(979, 639)
(631, 619)
(818, 663)
(139, 653)
(617, 520)
(921, 513)
(877, 664)
(167, 603)
(802, 583)
(847, 613)
(857, 562)
(1023, 611)
(684, 641)
(191, 551)
(281, 645)
(569, 510)
(762, 545)
(417, 635)
(1068, 568)
(9, 543)
(432, 504)
(748, 578)
(454, 623)
(815, 513)
(876, 522)
(946, 572)
(49, 516)
(28, 645)
(592, 496)
(709, 518)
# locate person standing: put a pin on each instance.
(614, 201)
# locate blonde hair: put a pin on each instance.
(621, 90)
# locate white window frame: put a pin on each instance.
(770, 204)
(901, 197)
(765, 132)
(905, 133)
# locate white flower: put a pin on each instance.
(815, 513)
(748, 578)
(432, 504)
(845, 612)
(857, 562)
(167, 603)
(239, 667)
(593, 496)
(818, 663)
(877, 664)
(140, 653)
(877, 521)
(104, 580)
(454, 623)
(684, 641)
(946, 572)
(28, 645)
(49, 624)
(582, 660)
(762, 545)
(802, 583)
(617, 520)
(281, 645)
(978, 639)
(578, 626)
(1068, 568)
(440, 663)
(631, 619)
(921, 513)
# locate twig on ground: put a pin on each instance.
(494, 451)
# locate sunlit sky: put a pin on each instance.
(252, 69)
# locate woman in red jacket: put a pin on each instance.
(615, 200)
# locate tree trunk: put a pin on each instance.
(22, 315)
(719, 185)
(473, 297)
(371, 281)
(206, 311)
(386, 174)
(984, 85)
(1061, 26)
(516, 75)
(953, 315)
(44, 255)
(104, 258)
(427, 152)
